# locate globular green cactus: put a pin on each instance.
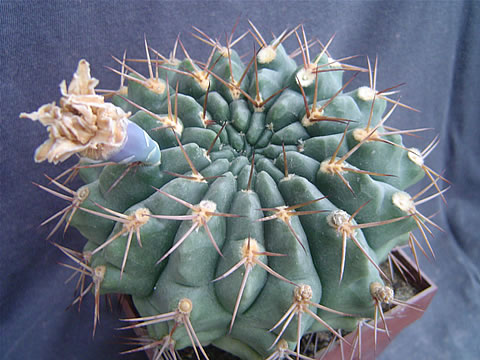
(239, 204)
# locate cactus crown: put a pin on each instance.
(262, 196)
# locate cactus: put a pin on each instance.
(239, 204)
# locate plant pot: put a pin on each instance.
(397, 318)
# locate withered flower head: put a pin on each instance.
(83, 123)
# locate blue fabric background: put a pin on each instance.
(433, 46)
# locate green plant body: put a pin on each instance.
(240, 204)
